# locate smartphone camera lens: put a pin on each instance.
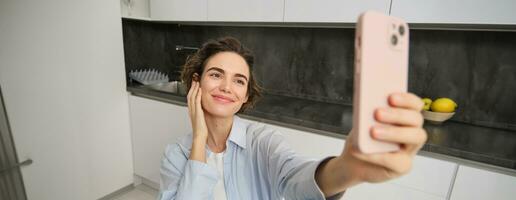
(401, 30)
(394, 40)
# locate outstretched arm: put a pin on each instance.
(404, 126)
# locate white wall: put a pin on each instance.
(62, 74)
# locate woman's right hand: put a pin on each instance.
(200, 130)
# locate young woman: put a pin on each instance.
(228, 158)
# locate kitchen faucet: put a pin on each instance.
(181, 47)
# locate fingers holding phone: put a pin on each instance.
(402, 123)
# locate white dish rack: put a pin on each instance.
(148, 76)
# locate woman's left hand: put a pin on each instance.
(403, 125)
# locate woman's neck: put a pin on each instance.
(218, 132)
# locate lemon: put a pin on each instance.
(444, 105)
(427, 102)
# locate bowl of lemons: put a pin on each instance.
(438, 110)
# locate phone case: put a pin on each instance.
(381, 68)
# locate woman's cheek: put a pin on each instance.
(242, 91)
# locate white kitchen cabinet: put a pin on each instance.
(138, 9)
(430, 175)
(245, 10)
(473, 183)
(154, 124)
(429, 179)
(385, 191)
(455, 12)
(178, 10)
(342, 11)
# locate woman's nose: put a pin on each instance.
(225, 86)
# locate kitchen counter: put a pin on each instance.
(455, 141)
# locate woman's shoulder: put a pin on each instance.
(181, 147)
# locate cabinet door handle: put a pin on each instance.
(17, 165)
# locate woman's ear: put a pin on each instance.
(246, 98)
(196, 77)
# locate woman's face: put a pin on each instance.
(224, 84)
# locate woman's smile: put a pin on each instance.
(222, 99)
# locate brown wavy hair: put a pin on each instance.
(197, 62)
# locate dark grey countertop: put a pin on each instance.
(451, 139)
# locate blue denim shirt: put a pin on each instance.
(257, 165)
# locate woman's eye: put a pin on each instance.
(216, 75)
(241, 82)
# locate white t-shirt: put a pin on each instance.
(217, 160)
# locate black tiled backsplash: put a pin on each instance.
(476, 69)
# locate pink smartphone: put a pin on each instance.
(381, 68)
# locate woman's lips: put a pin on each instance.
(222, 99)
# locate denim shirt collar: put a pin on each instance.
(238, 132)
